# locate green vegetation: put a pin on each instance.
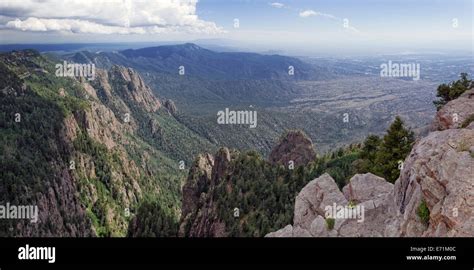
(36, 154)
(110, 183)
(340, 166)
(384, 157)
(33, 153)
(423, 212)
(448, 92)
(152, 220)
(368, 154)
(330, 223)
(98, 204)
(265, 194)
(352, 204)
(396, 145)
(262, 193)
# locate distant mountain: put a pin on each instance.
(204, 63)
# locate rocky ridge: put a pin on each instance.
(103, 165)
(199, 216)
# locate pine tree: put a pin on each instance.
(448, 92)
(370, 148)
(396, 145)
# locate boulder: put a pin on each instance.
(364, 187)
(455, 112)
(313, 199)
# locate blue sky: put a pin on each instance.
(298, 27)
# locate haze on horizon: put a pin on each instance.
(300, 27)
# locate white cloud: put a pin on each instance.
(277, 5)
(307, 13)
(310, 12)
(106, 16)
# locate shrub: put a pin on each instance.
(448, 92)
(330, 223)
(423, 212)
(352, 204)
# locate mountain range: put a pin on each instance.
(203, 63)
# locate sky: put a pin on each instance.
(296, 27)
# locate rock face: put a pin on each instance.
(101, 124)
(199, 176)
(439, 171)
(199, 217)
(170, 106)
(293, 146)
(454, 113)
(365, 187)
(60, 213)
(155, 128)
(133, 88)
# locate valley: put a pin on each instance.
(315, 100)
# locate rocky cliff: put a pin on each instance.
(199, 216)
(82, 150)
(131, 87)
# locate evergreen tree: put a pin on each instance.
(448, 92)
(370, 148)
(396, 145)
(152, 220)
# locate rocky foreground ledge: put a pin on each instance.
(438, 175)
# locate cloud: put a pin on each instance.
(106, 16)
(310, 12)
(277, 5)
(307, 13)
(345, 21)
